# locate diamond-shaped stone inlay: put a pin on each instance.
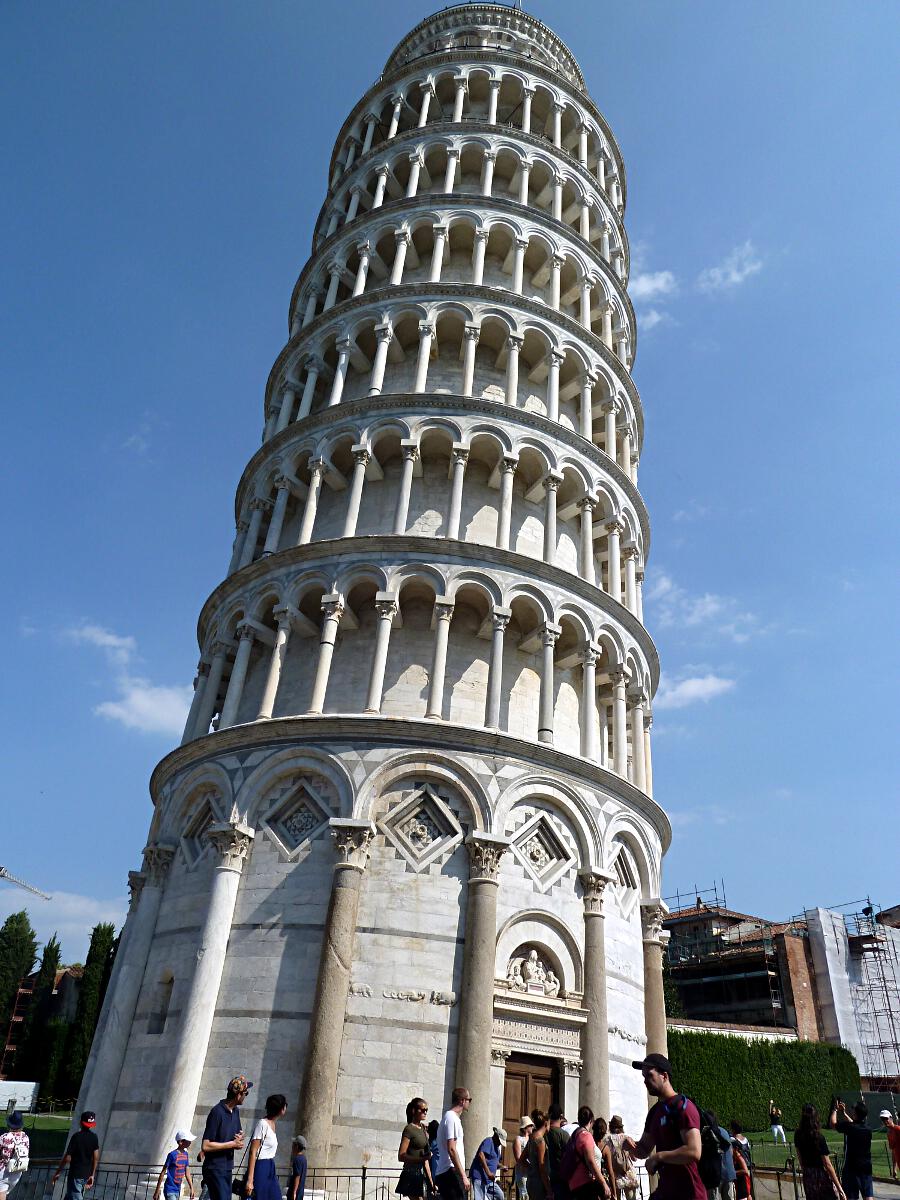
(194, 842)
(542, 851)
(422, 827)
(295, 816)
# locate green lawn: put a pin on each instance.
(767, 1154)
(48, 1134)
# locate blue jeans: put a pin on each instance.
(486, 1189)
(75, 1189)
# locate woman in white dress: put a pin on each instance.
(262, 1182)
(14, 1149)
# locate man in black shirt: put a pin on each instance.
(221, 1137)
(82, 1155)
(856, 1177)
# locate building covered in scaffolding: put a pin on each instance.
(826, 975)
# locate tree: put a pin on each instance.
(670, 992)
(90, 998)
(31, 1059)
(18, 953)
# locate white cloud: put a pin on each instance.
(673, 607)
(651, 318)
(738, 266)
(716, 814)
(693, 511)
(648, 285)
(139, 703)
(696, 689)
(67, 914)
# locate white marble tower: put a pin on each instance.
(409, 838)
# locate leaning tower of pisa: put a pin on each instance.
(409, 840)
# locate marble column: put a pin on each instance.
(556, 360)
(384, 335)
(315, 1108)
(476, 1003)
(630, 554)
(552, 480)
(471, 334)
(426, 335)
(313, 370)
(653, 913)
(282, 495)
(549, 637)
(524, 179)
(316, 472)
(594, 1089)
(386, 609)
(416, 163)
(637, 742)
(518, 271)
(231, 844)
(197, 701)
(648, 761)
(450, 175)
(427, 93)
(585, 410)
(605, 231)
(557, 124)
(589, 702)
(492, 101)
(284, 619)
(235, 692)
(619, 679)
(381, 176)
(500, 618)
(443, 615)
(110, 1043)
(459, 99)
(606, 334)
(487, 178)
(586, 551)
(364, 250)
(219, 653)
(459, 458)
(410, 453)
(508, 466)
(478, 249)
(527, 97)
(398, 102)
(610, 408)
(361, 458)
(343, 346)
(258, 506)
(614, 530)
(437, 255)
(332, 611)
(558, 182)
(513, 346)
(312, 303)
(402, 238)
(556, 265)
(285, 412)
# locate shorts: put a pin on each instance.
(449, 1185)
(856, 1186)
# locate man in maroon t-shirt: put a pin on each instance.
(671, 1138)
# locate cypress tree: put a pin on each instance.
(81, 1031)
(31, 1055)
(18, 953)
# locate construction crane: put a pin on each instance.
(4, 874)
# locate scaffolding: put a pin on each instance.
(875, 992)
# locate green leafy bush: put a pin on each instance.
(736, 1079)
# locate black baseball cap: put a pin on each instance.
(656, 1062)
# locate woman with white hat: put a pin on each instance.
(520, 1145)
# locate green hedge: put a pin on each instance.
(736, 1078)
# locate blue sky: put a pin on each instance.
(165, 163)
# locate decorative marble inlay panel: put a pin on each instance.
(296, 814)
(422, 828)
(542, 851)
(195, 842)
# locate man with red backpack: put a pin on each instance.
(579, 1167)
(671, 1139)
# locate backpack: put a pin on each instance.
(568, 1164)
(712, 1149)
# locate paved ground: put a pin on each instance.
(766, 1188)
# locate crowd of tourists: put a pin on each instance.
(590, 1158)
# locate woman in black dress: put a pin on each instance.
(820, 1181)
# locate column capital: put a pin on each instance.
(612, 405)
(136, 881)
(443, 608)
(361, 454)
(558, 179)
(231, 842)
(588, 503)
(245, 632)
(316, 466)
(558, 106)
(282, 482)
(572, 1067)
(618, 676)
(515, 341)
(352, 841)
(653, 913)
(485, 851)
(471, 332)
(364, 248)
(494, 84)
(343, 344)
(500, 617)
(630, 551)
(332, 605)
(259, 502)
(461, 81)
(417, 158)
(202, 667)
(157, 861)
(593, 885)
(383, 170)
(499, 1056)
(220, 646)
(397, 98)
(558, 260)
(638, 699)
(409, 449)
(460, 454)
(490, 155)
(590, 654)
(426, 329)
(311, 363)
(453, 151)
(552, 480)
(386, 606)
(614, 525)
(439, 230)
(550, 633)
(509, 463)
(384, 332)
(481, 235)
(402, 235)
(284, 616)
(521, 243)
(528, 91)
(427, 86)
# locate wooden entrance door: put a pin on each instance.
(529, 1082)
